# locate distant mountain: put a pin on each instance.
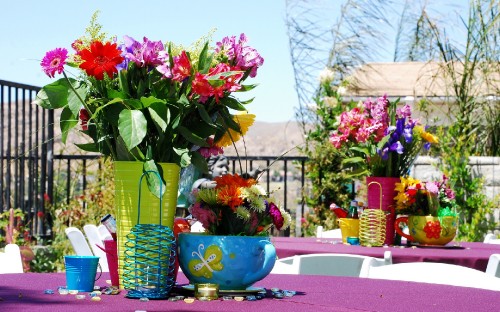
(270, 139)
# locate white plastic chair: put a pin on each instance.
(285, 266)
(95, 239)
(493, 267)
(10, 260)
(78, 241)
(335, 233)
(435, 273)
(491, 239)
(103, 232)
(332, 264)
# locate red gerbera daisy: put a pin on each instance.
(100, 58)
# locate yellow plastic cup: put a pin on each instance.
(348, 228)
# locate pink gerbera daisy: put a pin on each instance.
(54, 61)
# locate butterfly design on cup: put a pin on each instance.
(207, 262)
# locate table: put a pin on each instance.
(472, 255)
(25, 292)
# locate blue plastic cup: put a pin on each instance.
(81, 272)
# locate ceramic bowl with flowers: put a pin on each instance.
(430, 210)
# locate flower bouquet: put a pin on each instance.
(434, 198)
(151, 101)
(237, 206)
(430, 208)
(380, 139)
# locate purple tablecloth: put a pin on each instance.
(472, 255)
(25, 292)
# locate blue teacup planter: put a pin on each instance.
(232, 262)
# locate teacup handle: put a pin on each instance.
(403, 220)
(269, 259)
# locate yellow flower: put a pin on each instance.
(244, 120)
(429, 137)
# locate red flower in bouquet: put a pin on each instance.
(100, 58)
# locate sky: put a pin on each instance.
(29, 28)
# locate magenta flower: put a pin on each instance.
(275, 213)
(145, 54)
(211, 150)
(241, 56)
(54, 61)
(206, 216)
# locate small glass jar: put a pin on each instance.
(206, 291)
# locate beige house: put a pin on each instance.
(413, 81)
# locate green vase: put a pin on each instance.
(127, 177)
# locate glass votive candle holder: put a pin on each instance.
(206, 291)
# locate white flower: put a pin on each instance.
(330, 101)
(312, 107)
(326, 75)
(341, 90)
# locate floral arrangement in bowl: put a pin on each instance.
(237, 206)
(434, 198)
(380, 139)
(151, 101)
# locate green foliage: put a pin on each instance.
(329, 184)
(83, 208)
(472, 204)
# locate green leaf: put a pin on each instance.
(160, 115)
(154, 175)
(68, 122)
(245, 88)
(115, 94)
(202, 60)
(147, 101)
(133, 103)
(188, 135)
(232, 103)
(88, 147)
(204, 115)
(74, 102)
(122, 76)
(133, 127)
(122, 153)
(54, 95)
(353, 160)
(183, 100)
(199, 162)
(184, 157)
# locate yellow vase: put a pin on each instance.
(127, 177)
(429, 230)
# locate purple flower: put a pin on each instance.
(54, 61)
(241, 56)
(275, 213)
(404, 112)
(146, 54)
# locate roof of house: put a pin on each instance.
(412, 79)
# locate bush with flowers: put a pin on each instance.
(380, 139)
(418, 198)
(237, 206)
(150, 101)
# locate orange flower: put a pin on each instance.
(229, 195)
(233, 180)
